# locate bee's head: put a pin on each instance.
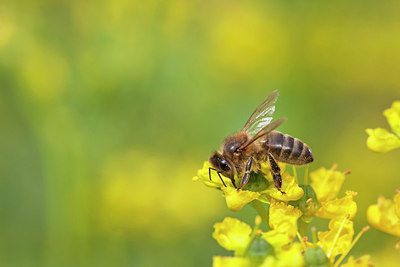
(221, 164)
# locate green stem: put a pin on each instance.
(303, 227)
(314, 236)
(261, 211)
(306, 175)
(295, 174)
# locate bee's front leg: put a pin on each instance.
(246, 176)
(276, 172)
(209, 175)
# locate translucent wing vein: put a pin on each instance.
(262, 115)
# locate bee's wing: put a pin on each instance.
(268, 128)
(262, 116)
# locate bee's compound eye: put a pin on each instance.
(224, 166)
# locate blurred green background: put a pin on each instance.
(108, 108)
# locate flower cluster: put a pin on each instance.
(385, 215)
(253, 247)
(283, 242)
(381, 140)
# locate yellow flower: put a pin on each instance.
(385, 215)
(249, 247)
(290, 255)
(260, 186)
(289, 186)
(235, 200)
(283, 222)
(232, 234)
(381, 140)
(363, 261)
(326, 184)
(393, 117)
(337, 207)
(338, 239)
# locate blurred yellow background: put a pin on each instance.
(108, 108)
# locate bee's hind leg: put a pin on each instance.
(276, 172)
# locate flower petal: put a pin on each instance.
(339, 237)
(380, 140)
(232, 234)
(289, 186)
(385, 215)
(219, 261)
(278, 238)
(235, 200)
(280, 212)
(326, 183)
(393, 117)
(339, 207)
(283, 221)
(287, 256)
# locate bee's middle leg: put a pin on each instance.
(276, 172)
(246, 176)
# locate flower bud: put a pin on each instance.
(308, 204)
(315, 257)
(259, 249)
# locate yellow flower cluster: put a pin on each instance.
(278, 245)
(381, 140)
(253, 247)
(385, 215)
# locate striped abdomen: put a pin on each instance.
(287, 149)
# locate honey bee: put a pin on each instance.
(257, 142)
